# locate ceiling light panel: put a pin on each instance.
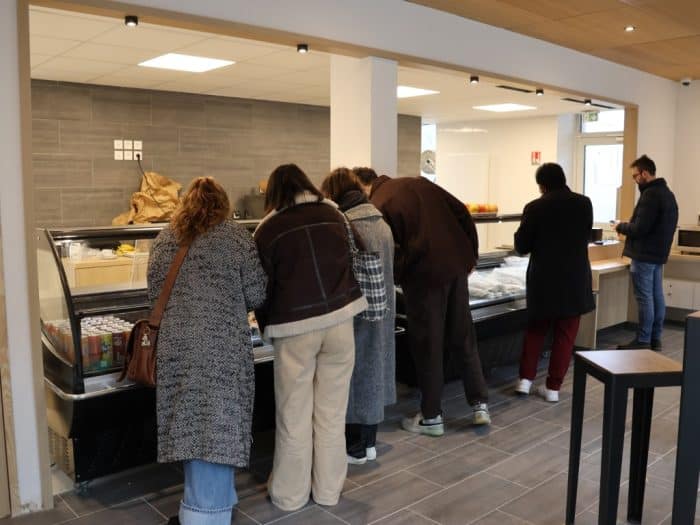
(408, 92)
(503, 108)
(189, 63)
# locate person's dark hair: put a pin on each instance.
(204, 206)
(365, 175)
(338, 183)
(285, 183)
(550, 176)
(644, 163)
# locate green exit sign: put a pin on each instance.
(590, 116)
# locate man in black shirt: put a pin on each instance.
(649, 236)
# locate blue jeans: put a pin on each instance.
(210, 493)
(648, 289)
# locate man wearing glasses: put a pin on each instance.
(649, 236)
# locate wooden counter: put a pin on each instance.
(611, 291)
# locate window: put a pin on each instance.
(603, 121)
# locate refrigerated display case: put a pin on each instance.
(92, 288)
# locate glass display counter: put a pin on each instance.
(92, 288)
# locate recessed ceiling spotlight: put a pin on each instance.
(131, 20)
(587, 102)
(302, 48)
(539, 92)
(629, 29)
(474, 79)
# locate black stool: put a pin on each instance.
(619, 370)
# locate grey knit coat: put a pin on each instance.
(373, 383)
(205, 372)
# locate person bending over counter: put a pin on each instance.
(437, 248)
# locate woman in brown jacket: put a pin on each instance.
(312, 297)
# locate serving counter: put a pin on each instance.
(92, 288)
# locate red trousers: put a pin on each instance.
(565, 331)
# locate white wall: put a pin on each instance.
(686, 179)
(20, 287)
(492, 164)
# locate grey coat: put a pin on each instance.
(205, 374)
(373, 383)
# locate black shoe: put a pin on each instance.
(635, 344)
(174, 521)
(657, 345)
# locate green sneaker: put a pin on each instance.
(430, 427)
(481, 414)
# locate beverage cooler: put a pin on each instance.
(92, 288)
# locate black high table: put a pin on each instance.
(619, 370)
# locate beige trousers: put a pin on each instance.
(312, 379)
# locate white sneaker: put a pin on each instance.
(430, 427)
(523, 387)
(551, 396)
(481, 414)
(352, 460)
(371, 453)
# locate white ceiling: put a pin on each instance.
(74, 47)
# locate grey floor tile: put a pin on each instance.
(313, 515)
(545, 504)
(135, 483)
(404, 517)
(534, 466)
(136, 512)
(590, 436)
(390, 432)
(259, 507)
(515, 409)
(590, 466)
(664, 468)
(380, 499)
(521, 435)
(468, 500)
(658, 501)
(664, 435)
(390, 459)
(459, 464)
(560, 413)
(59, 514)
(501, 518)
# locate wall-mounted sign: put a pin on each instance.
(590, 116)
(536, 158)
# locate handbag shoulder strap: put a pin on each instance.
(159, 308)
(351, 237)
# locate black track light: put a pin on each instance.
(474, 79)
(539, 92)
(302, 48)
(587, 102)
(131, 20)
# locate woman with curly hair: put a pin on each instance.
(205, 374)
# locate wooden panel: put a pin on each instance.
(629, 154)
(611, 310)
(622, 362)
(556, 9)
(665, 42)
(493, 12)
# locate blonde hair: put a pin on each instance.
(204, 206)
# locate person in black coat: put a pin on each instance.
(649, 236)
(555, 230)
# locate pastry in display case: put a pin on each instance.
(92, 289)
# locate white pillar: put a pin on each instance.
(363, 113)
(26, 412)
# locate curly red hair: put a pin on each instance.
(204, 206)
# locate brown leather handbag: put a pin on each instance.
(140, 354)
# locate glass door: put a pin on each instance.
(599, 169)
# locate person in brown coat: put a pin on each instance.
(437, 248)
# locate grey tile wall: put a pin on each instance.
(238, 141)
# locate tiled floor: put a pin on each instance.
(511, 474)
